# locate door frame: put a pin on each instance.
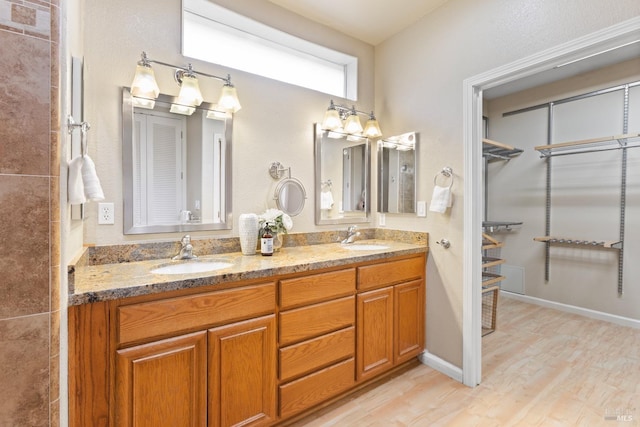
(589, 45)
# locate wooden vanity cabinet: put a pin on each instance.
(317, 339)
(390, 322)
(217, 376)
(242, 373)
(252, 354)
(162, 383)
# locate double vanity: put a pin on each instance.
(228, 339)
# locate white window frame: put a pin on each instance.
(252, 35)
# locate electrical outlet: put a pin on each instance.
(422, 208)
(381, 220)
(106, 213)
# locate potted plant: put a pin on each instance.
(278, 222)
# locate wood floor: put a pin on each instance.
(541, 367)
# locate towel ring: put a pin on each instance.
(447, 172)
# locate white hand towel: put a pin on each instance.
(441, 199)
(92, 187)
(75, 186)
(326, 200)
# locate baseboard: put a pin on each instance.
(612, 318)
(441, 365)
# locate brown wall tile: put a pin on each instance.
(55, 288)
(23, 15)
(54, 414)
(55, 198)
(54, 242)
(54, 373)
(54, 29)
(24, 135)
(24, 257)
(24, 364)
(55, 334)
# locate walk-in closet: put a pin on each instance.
(563, 208)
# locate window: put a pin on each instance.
(215, 34)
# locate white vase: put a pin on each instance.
(248, 229)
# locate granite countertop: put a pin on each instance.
(93, 283)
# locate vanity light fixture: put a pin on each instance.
(405, 142)
(336, 114)
(145, 90)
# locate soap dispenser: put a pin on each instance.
(266, 242)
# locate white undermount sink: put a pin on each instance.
(192, 266)
(364, 247)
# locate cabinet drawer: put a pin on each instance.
(175, 315)
(315, 320)
(317, 287)
(315, 353)
(387, 273)
(302, 394)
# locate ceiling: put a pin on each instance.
(374, 21)
(371, 21)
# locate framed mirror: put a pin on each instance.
(176, 167)
(342, 177)
(397, 173)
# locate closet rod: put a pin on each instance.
(572, 98)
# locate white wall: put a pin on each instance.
(585, 192)
(275, 123)
(419, 76)
(418, 87)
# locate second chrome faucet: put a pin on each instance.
(352, 233)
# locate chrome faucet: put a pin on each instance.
(352, 233)
(186, 251)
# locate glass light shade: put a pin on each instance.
(336, 134)
(229, 99)
(182, 109)
(144, 83)
(143, 102)
(190, 92)
(372, 129)
(331, 120)
(353, 125)
(215, 114)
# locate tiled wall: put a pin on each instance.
(29, 213)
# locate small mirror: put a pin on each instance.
(177, 168)
(343, 168)
(290, 196)
(397, 173)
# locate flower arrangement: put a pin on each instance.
(276, 220)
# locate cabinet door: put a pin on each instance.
(374, 332)
(242, 373)
(409, 306)
(163, 383)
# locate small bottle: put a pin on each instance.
(266, 243)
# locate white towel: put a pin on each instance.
(441, 199)
(92, 187)
(75, 187)
(326, 200)
(83, 182)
